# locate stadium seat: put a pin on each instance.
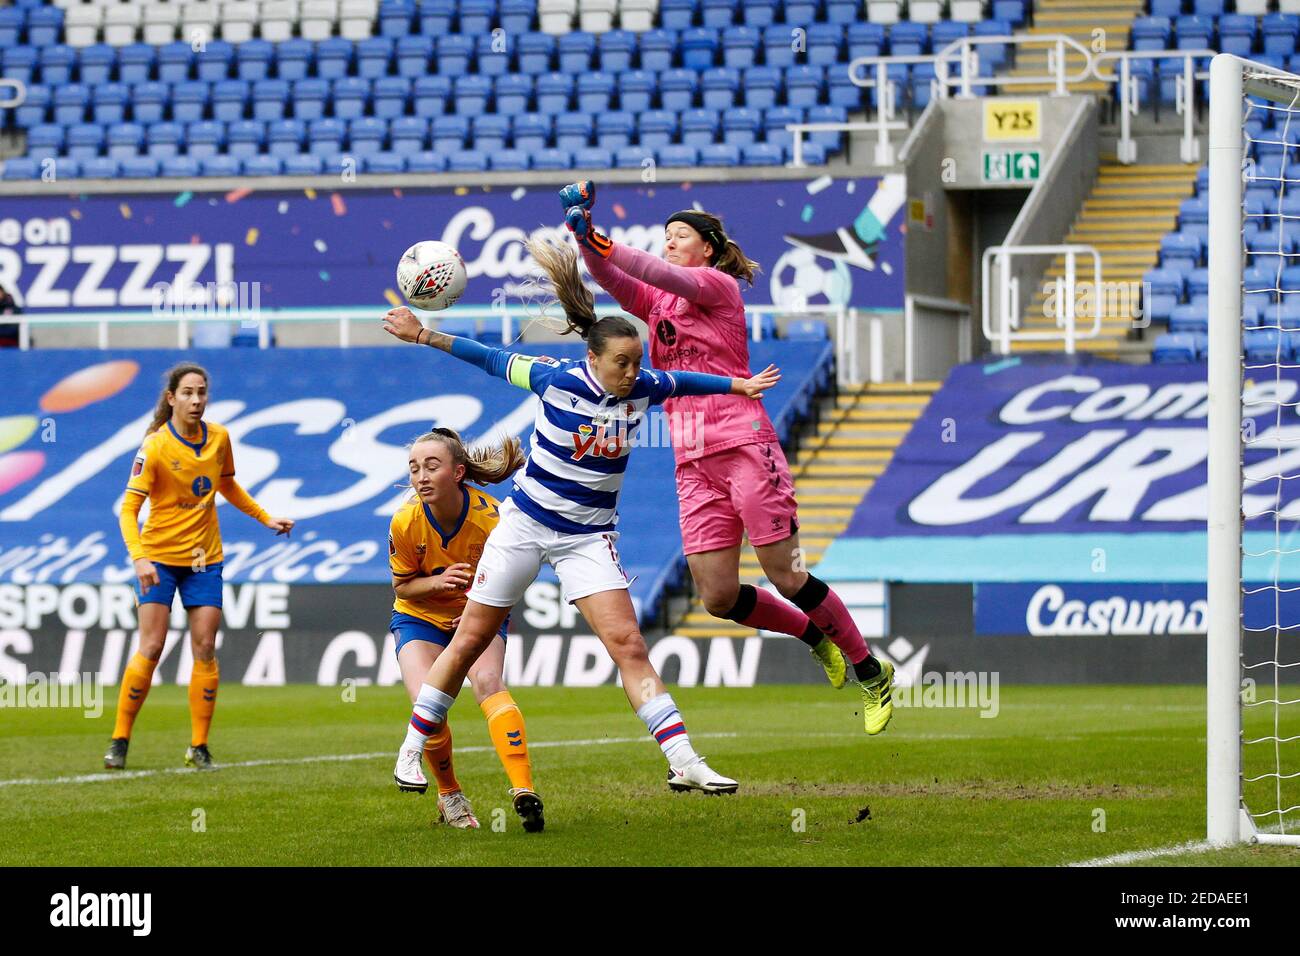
(85, 140)
(740, 47)
(699, 127)
(553, 159)
(20, 63)
(294, 59)
(81, 24)
(350, 95)
(1179, 248)
(636, 89)
(758, 13)
(680, 155)
(430, 94)
(98, 167)
(535, 52)
(1191, 317)
(778, 49)
(824, 44)
(614, 130)
(467, 161)
(720, 154)
(46, 139)
(244, 138)
(804, 84)
(390, 95)
(138, 167)
(35, 108)
(357, 18)
(309, 99)
(56, 64)
(531, 132)
(762, 154)
(125, 139)
(475, 16)
(762, 86)
(221, 165)
(396, 18)
(633, 157)
(573, 130)
(20, 167)
(303, 165)
(366, 136)
(110, 102)
(592, 157)
(333, 58)
(408, 134)
(285, 138)
(179, 167)
(512, 92)
(576, 52)
(866, 39)
(741, 126)
(490, 130)
(676, 14)
(554, 92)
(213, 62)
(413, 55)
(450, 133)
(508, 159)
(656, 128)
(908, 39)
(1164, 289)
(325, 136)
(657, 48)
(595, 91)
(616, 49)
(698, 47)
(204, 139)
(516, 16)
(775, 121)
(383, 163)
(1279, 32)
(1173, 348)
(374, 56)
(70, 103)
(230, 99)
(164, 140)
(1266, 346)
(1237, 34)
(426, 162)
(720, 88)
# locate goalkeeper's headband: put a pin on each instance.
(713, 237)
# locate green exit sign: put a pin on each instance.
(1011, 165)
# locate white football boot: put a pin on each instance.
(696, 775)
(409, 773)
(455, 811)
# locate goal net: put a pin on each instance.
(1253, 650)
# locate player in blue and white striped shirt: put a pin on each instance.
(563, 511)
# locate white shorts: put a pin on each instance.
(586, 564)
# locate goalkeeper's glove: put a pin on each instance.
(582, 195)
(578, 220)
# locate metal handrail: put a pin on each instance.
(963, 48)
(1008, 287)
(1127, 88)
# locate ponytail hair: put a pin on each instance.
(172, 381)
(484, 464)
(559, 261)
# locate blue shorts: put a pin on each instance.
(198, 588)
(406, 628)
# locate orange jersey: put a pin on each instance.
(180, 480)
(417, 547)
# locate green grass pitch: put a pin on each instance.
(1060, 775)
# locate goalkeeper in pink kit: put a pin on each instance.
(732, 476)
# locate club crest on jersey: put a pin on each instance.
(586, 442)
(201, 486)
(137, 467)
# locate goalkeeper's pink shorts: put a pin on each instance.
(737, 490)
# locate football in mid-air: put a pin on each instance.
(431, 275)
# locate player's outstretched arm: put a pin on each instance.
(402, 323)
(234, 492)
(701, 383)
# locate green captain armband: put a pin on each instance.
(519, 371)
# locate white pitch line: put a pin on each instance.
(1137, 856)
(324, 758)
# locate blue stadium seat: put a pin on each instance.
(657, 48)
(35, 108)
(517, 16)
(656, 128)
(70, 103)
(614, 130)
(762, 86)
(436, 16)
(396, 18)
(554, 92)
(213, 61)
(85, 140)
(390, 95)
(95, 64)
(1279, 31)
(294, 59)
(865, 39)
(12, 20)
(230, 100)
(139, 167)
(204, 138)
(700, 127)
(1266, 346)
(476, 15)
(493, 53)
(633, 157)
(531, 132)
(383, 163)
(1195, 33)
(450, 133)
(21, 167)
(1195, 209)
(409, 134)
(471, 94)
(592, 157)
(804, 85)
(350, 96)
(740, 47)
(426, 162)
(190, 100)
(573, 130)
(720, 154)
(908, 39)
(263, 165)
(775, 121)
(109, 102)
(553, 159)
(1151, 33)
(807, 330)
(508, 159)
(179, 167)
(814, 154)
(244, 138)
(271, 97)
(758, 13)
(491, 130)
(164, 140)
(374, 56)
(677, 89)
(576, 51)
(741, 126)
(1164, 289)
(680, 155)
(413, 55)
(676, 14)
(125, 139)
(720, 87)
(1174, 348)
(512, 93)
(46, 139)
(174, 62)
(333, 58)
(20, 63)
(825, 41)
(310, 97)
(56, 64)
(325, 136)
(1166, 8)
(535, 52)
(1013, 11)
(698, 48)
(595, 91)
(719, 14)
(429, 95)
(1178, 248)
(366, 136)
(994, 54)
(1191, 317)
(221, 165)
(1237, 34)
(800, 12)
(1209, 8)
(303, 165)
(636, 89)
(948, 31)
(616, 49)
(762, 154)
(44, 25)
(98, 167)
(467, 161)
(285, 138)
(778, 48)
(253, 60)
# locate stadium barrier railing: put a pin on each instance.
(1001, 318)
(1129, 89)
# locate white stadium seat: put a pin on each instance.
(317, 19)
(357, 18)
(556, 16)
(925, 11)
(637, 15)
(122, 23)
(81, 24)
(596, 16)
(238, 17)
(199, 22)
(161, 21)
(968, 11)
(277, 19)
(884, 11)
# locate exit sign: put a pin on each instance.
(1011, 166)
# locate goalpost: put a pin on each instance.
(1252, 712)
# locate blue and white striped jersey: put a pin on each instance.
(582, 436)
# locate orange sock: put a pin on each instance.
(506, 727)
(203, 699)
(437, 750)
(136, 681)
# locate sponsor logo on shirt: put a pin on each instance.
(589, 441)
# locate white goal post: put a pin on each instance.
(1239, 88)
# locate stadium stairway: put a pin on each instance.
(1125, 216)
(857, 433)
(1078, 19)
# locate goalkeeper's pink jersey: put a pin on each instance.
(697, 324)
